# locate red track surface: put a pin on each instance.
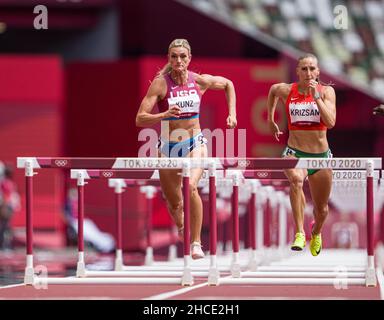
(64, 261)
(227, 292)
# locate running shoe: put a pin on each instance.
(315, 244)
(299, 242)
(196, 251)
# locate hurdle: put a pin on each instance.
(150, 191)
(175, 163)
(320, 273)
(149, 188)
(321, 276)
(117, 180)
(118, 184)
(152, 178)
(30, 163)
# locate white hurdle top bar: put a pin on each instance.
(338, 175)
(179, 163)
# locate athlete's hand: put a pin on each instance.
(379, 110)
(313, 87)
(275, 129)
(231, 122)
(174, 111)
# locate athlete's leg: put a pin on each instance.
(195, 202)
(296, 179)
(170, 181)
(320, 184)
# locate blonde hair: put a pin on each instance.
(180, 43)
(174, 44)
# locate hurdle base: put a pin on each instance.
(253, 265)
(111, 281)
(370, 278)
(253, 261)
(29, 276)
(149, 256)
(80, 271)
(292, 281)
(187, 278)
(263, 257)
(271, 254)
(213, 276)
(119, 265)
(235, 270)
(172, 254)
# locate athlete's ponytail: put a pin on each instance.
(164, 70)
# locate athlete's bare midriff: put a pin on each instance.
(310, 141)
(180, 130)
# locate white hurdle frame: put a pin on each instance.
(121, 270)
(212, 271)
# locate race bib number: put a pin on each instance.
(302, 113)
(188, 104)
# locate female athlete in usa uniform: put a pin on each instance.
(311, 110)
(178, 92)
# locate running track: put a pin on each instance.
(201, 291)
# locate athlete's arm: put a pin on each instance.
(206, 81)
(276, 92)
(156, 91)
(327, 106)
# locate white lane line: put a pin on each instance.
(167, 295)
(380, 280)
(13, 285)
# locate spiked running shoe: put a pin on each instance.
(299, 242)
(315, 244)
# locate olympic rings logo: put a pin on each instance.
(61, 163)
(262, 174)
(107, 174)
(243, 163)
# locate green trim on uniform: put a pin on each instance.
(300, 154)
